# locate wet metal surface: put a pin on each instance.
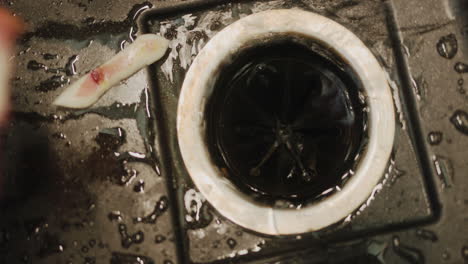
(400, 200)
(107, 185)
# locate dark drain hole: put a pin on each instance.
(286, 121)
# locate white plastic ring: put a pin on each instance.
(198, 86)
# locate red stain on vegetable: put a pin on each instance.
(91, 84)
(97, 76)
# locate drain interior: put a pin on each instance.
(286, 121)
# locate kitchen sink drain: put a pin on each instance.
(263, 115)
(285, 121)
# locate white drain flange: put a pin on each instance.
(199, 84)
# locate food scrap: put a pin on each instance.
(145, 50)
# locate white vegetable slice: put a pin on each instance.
(145, 50)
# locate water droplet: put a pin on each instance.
(435, 137)
(420, 87)
(50, 244)
(161, 206)
(242, 252)
(464, 252)
(90, 260)
(231, 243)
(115, 216)
(123, 44)
(84, 249)
(460, 81)
(198, 215)
(283, 204)
(461, 67)
(444, 170)
(460, 120)
(48, 56)
(136, 11)
(167, 262)
(445, 255)
(115, 134)
(92, 243)
(52, 83)
(159, 239)
(70, 68)
(129, 175)
(128, 240)
(426, 235)
(412, 255)
(34, 226)
(447, 46)
(91, 208)
(139, 186)
(138, 237)
(59, 135)
(35, 66)
(406, 50)
(122, 258)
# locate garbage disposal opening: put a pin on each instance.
(286, 120)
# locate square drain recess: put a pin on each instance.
(405, 197)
